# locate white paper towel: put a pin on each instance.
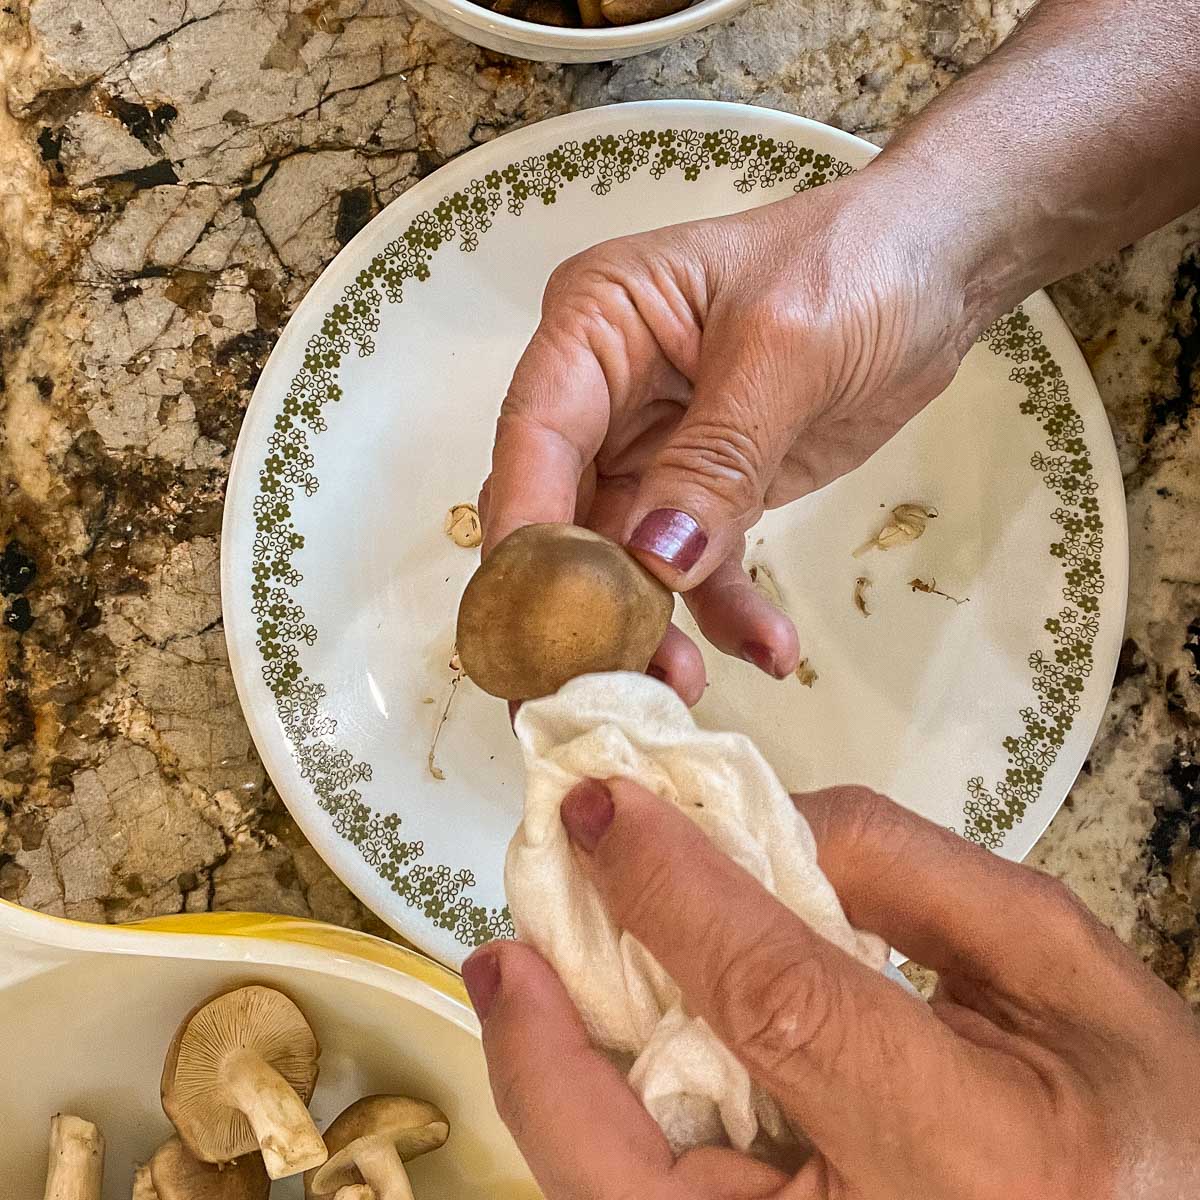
(601, 726)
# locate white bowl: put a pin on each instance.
(88, 1011)
(547, 43)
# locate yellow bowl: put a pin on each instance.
(88, 1010)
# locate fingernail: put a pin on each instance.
(656, 672)
(672, 536)
(587, 812)
(481, 974)
(757, 654)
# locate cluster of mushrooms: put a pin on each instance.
(587, 14)
(236, 1085)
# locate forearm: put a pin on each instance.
(1079, 135)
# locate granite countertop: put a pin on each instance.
(174, 174)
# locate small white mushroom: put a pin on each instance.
(75, 1169)
(370, 1143)
(238, 1076)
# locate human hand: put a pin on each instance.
(683, 380)
(1050, 1064)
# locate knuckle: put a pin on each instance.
(644, 903)
(1068, 921)
(727, 458)
(590, 273)
(567, 275)
(1060, 902)
(865, 825)
(777, 1007)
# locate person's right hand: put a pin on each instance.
(683, 380)
(1050, 1065)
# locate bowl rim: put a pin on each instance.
(249, 939)
(648, 34)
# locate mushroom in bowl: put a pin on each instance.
(550, 30)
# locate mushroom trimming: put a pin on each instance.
(555, 601)
(75, 1168)
(238, 1077)
(462, 525)
(905, 524)
(372, 1140)
(177, 1175)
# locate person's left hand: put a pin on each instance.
(1050, 1065)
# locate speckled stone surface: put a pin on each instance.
(174, 174)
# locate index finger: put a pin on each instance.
(581, 1129)
(836, 1042)
(551, 426)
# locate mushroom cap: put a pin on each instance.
(413, 1126)
(555, 601)
(254, 1018)
(176, 1175)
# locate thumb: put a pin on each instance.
(706, 485)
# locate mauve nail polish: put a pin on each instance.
(672, 536)
(481, 975)
(587, 812)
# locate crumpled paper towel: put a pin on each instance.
(601, 726)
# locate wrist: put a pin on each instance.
(986, 258)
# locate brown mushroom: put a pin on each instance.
(177, 1175)
(559, 13)
(75, 1168)
(372, 1140)
(555, 601)
(590, 14)
(630, 12)
(239, 1073)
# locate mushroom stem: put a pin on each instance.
(143, 1185)
(75, 1170)
(286, 1135)
(354, 1191)
(383, 1169)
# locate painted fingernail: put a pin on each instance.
(758, 654)
(587, 812)
(481, 974)
(656, 672)
(672, 536)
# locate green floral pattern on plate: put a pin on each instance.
(1058, 679)
(287, 478)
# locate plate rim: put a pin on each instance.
(240, 635)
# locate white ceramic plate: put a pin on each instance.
(375, 414)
